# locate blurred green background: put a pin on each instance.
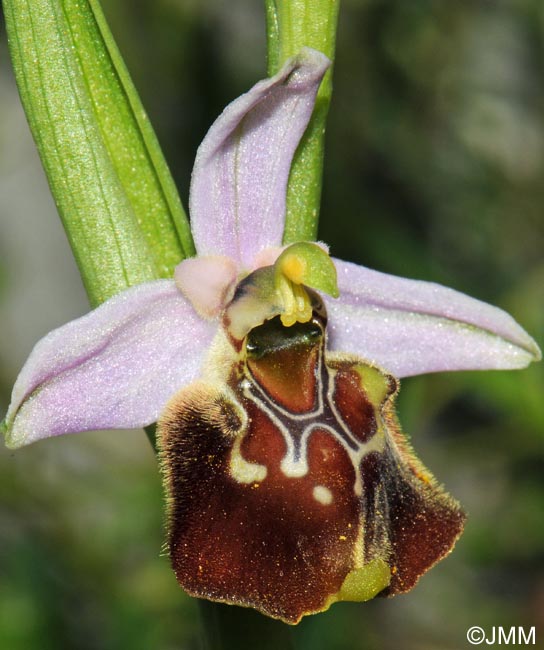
(434, 170)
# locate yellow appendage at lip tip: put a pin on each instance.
(364, 583)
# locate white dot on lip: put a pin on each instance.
(322, 494)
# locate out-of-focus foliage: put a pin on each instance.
(434, 169)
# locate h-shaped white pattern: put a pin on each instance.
(296, 428)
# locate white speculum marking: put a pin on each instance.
(296, 429)
(322, 495)
(242, 470)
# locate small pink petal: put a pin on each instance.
(239, 183)
(411, 327)
(116, 367)
(206, 282)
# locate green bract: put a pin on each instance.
(112, 187)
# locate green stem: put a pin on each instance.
(225, 627)
(291, 25)
(151, 433)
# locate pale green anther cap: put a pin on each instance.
(309, 264)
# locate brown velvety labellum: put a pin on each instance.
(289, 481)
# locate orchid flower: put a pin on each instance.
(289, 482)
